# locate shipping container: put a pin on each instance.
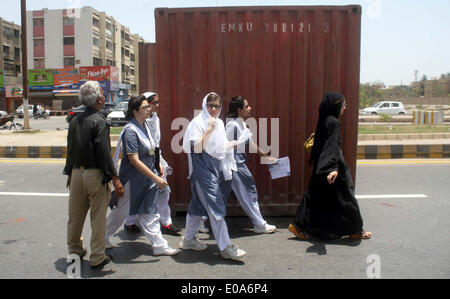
(147, 67)
(282, 59)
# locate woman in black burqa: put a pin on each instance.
(329, 209)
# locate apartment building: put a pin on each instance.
(10, 62)
(63, 38)
(10, 49)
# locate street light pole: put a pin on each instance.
(26, 90)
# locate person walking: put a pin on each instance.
(90, 168)
(329, 209)
(210, 167)
(139, 176)
(119, 210)
(243, 184)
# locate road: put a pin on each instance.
(410, 238)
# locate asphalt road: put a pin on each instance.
(410, 238)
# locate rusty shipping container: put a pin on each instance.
(282, 59)
(147, 67)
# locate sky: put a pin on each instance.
(397, 36)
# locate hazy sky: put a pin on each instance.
(398, 36)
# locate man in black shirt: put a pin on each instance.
(90, 169)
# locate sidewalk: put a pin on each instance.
(52, 144)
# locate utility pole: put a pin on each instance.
(26, 89)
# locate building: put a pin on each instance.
(437, 87)
(10, 63)
(62, 38)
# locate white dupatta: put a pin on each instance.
(218, 144)
(148, 141)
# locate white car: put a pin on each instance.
(117, 117)
(386, 107)
(20, 113)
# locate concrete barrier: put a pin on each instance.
(427, 117)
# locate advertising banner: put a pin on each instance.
(66, 78)
(40, 79)
(2, 81)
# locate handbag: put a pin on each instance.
(308, 145)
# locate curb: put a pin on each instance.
(399, 151)
(403, 151)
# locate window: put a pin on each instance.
(17, 52)
(96, 42)
(69, 61)
(17, 69)
(95, 22)
(39, 63)
(109, 45)
(6, 52)
(69, 41)
(97, 61)
(132, 57)
(395, 105)
(68, 21)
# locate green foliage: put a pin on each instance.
(385, 117)
(368, 95)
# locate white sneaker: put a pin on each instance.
(233, 253)
(192, 244)
(266, 229)
(203, 228)
(165, 251)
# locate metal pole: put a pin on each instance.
(26, 90)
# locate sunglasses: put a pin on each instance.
(211, 106)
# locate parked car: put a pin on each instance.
(20, 113)
(386, 107)
(109, 107)
(3, 113)
(117, 117)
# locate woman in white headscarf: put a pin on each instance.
(211, 162)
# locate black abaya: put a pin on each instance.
(329, 211)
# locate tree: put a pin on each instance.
(368, 95)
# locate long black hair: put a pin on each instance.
(133, 105)
(234, 106)
(331, 105)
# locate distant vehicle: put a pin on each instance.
(117, 117)
(386, 107)
(109, 107)
(3, 113)
(20, 113)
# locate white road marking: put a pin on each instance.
(34, 194)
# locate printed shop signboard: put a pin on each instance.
(2, 81)
(66, 78)
(99, 73)
(40, 79)
(107, 76)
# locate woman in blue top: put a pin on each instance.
(139, 176)
(243, 184)
(210, 171)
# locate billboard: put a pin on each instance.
(99, 73)
(66, 78)
(2, 81)
(40, 79)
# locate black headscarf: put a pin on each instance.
(329, 107)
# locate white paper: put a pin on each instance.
(281, 169)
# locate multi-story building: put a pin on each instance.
(10, 48)
(10, 61)
(63, 38)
